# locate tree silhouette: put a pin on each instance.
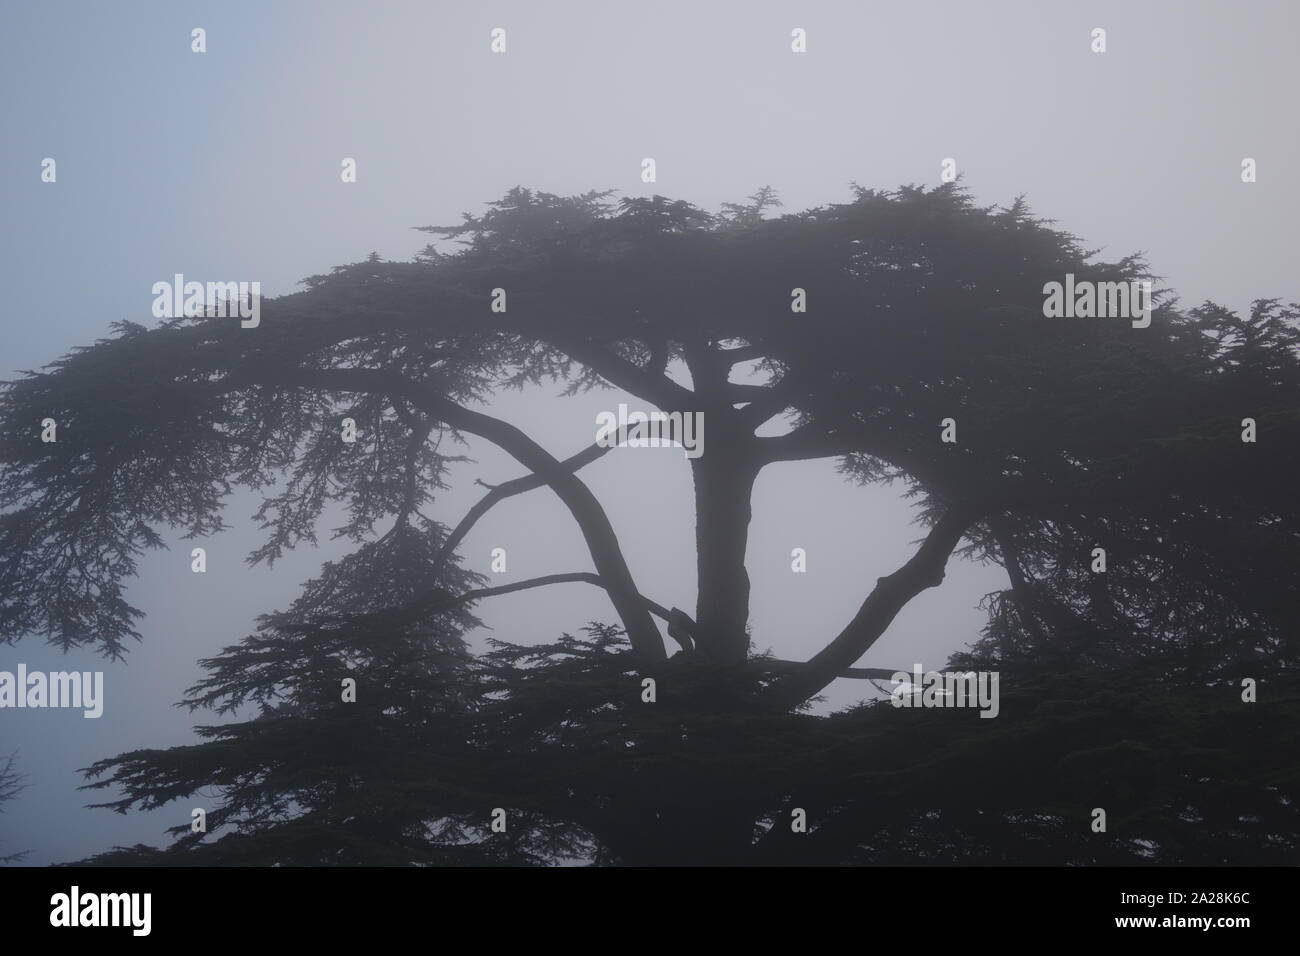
(1121, 689)
(11, 782)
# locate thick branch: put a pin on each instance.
(805, 443)
(743, 353)
(657, 389)
(891, 594)
(812, 441)
(763, 408)
(1020, 586)
(854, 673)
(765, 401)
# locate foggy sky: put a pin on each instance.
(225, 165)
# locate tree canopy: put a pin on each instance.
(1121, 689)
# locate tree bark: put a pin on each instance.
(724, 484)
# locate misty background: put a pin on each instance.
(225, 166)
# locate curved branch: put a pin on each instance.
(432, 598)
(890, 595)
(508, 489)
(577, 497)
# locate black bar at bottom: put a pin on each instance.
(332, 906)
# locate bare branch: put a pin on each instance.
(676, 618)
(891, 594)
(743, 353)
(855, 673)
(508, 489)
(596, 529)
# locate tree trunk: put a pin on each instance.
(724, 483)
